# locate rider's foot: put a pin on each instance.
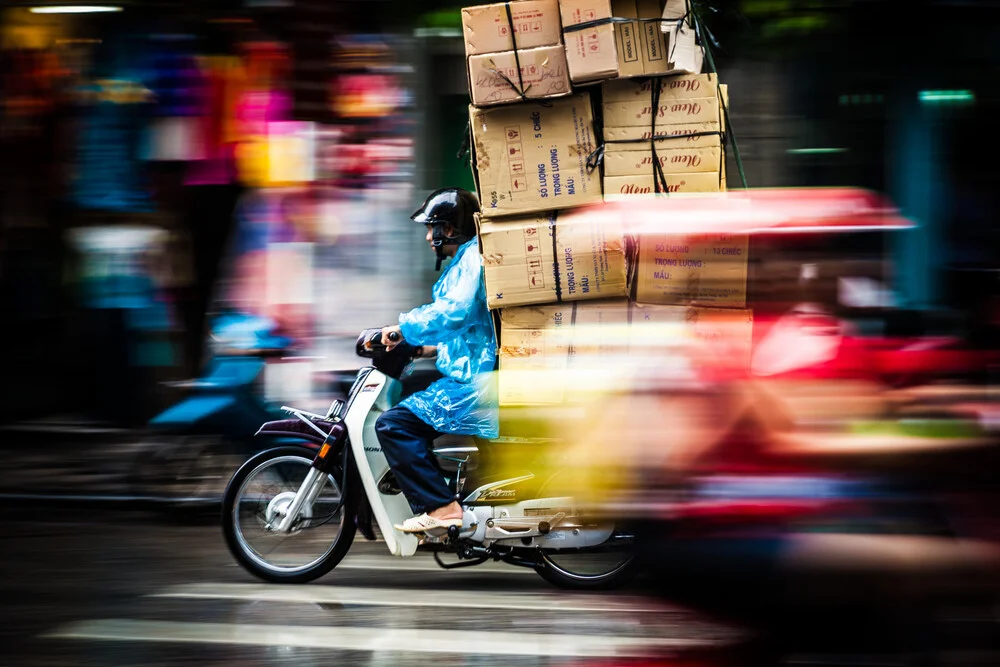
(450, 511)
(424, 522)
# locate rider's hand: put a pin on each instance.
(385, 337)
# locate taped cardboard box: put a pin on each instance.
(616, 187)
(635, 48)
(641, 45)
(632, 162)
(682, 87)
(530, 157)
(639, 112)
(486, 28)
(553, 257)
(551, 354)
(685, 111)
(668, 136)
(543, 75)
(540, 345)
(704, 270)
(591, 53)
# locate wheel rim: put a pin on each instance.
(264, 492)
(593, 564)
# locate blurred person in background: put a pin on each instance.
(269, 225)
(456, 327)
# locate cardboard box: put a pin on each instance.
(487, 29)
(546, 258)
(591, 53)
(549, 354)
(530, 157)
(708, 270)
(641, 46)
(684, 52)
(718, 340)
(696, 110)
(639, 112)
(540, 344)
(642, 184)
(682, 87)
(673, 160)
(669, 136)
(559, 316)
(543, 74)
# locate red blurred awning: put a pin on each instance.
(761, 211)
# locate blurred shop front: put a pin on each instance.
(168, 162)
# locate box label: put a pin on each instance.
(640, 112)
(544, 167)
(708, 269)
(618, 186)
(679, 160)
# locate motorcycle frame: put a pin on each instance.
(374, 392)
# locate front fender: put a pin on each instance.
(293, 428)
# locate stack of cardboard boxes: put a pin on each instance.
(685, 132)
(555, 259)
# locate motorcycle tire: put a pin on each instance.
(561, 577)
(342, 542)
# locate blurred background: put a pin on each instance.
(166, 165)
(154, 153)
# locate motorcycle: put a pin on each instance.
(328, 487)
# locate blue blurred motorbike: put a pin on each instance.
(185, 446)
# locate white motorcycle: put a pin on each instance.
(290, 513)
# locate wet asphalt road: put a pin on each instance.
(97, 588)
(115, 589)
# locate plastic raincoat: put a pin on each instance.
(458, 322)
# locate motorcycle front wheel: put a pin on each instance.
(253, 504)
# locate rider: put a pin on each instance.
(456, 327)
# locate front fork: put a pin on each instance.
(322, 466)
(306, 495)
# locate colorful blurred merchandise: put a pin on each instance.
(216, 128)
(271, 262)
(366, 95)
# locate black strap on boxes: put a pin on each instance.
(519, 87)
(596, 23)
(706, 39)
(556, 275)
(699, 30)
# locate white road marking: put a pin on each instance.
(425, 565)
(374, 639)
(394, 597)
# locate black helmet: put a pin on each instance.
(449, 206)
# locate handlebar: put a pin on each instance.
(375, 339)
(392, 362)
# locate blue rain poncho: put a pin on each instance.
(458, 322)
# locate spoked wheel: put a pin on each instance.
(608, 565)
(257, 498)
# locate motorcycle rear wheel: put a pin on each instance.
(584, 569)
(248, 514)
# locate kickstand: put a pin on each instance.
(461, 563)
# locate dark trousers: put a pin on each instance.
(406, 442)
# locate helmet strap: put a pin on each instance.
(439, 240)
